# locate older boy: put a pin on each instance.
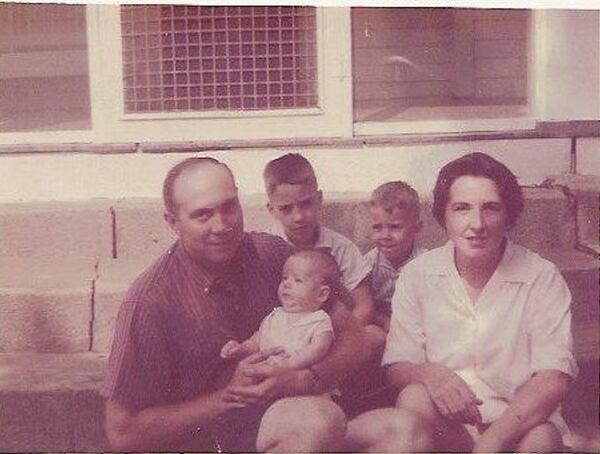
(295, 201)
(394, 210)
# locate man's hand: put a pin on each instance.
(450, 394)
(265, 382)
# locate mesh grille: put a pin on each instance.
(191, 58)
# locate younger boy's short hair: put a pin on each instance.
(396, 195)
(291, 168)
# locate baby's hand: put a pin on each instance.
(278, 357)
(231, 349)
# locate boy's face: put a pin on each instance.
(301, 288)
(393, 232)
(297, 207)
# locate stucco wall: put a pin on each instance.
(72, 176)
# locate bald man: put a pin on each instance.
(167, 388)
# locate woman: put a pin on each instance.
(480, 340)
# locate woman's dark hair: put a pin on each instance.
(478, 165)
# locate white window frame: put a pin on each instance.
(419, 126)
(333, 117)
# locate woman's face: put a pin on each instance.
(476, 219)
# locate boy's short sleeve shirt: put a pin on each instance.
(384, 276)
(520, 324)
(351, 262)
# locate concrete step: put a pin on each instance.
(99, 229)
(51, 232)
(46, 307)
(584, 191)
(547, 223)
(60, 291)
(50, 402)
(581, 271)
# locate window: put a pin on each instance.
(44, 83)
(180, 73)
(438, 66)
(190, 58)
(219, 73)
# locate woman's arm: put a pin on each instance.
(450, 394)
(533, 403)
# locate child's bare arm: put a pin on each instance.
(234, 350)
(362, 303)
(313, 352)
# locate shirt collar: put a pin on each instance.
(512, 267)
(204, 277)
(323, 240)
(387, 264)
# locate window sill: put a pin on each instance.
(446, 119)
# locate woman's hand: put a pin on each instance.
(451, 395)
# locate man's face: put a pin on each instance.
(297, 207)
(393, 232)
(209, 221)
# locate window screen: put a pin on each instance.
(191, 58)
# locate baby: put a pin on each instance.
(300, 330)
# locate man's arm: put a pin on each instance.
(158, 427)
(533, 403)
(363, 307)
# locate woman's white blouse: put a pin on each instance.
(520, 323)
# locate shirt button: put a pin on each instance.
(205, 289)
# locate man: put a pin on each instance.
(167, 388)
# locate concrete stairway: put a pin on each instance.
(64, 268)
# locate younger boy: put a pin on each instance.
(295, 201)
(299, 332)
(394, 211)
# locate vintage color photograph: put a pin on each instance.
(299, 227)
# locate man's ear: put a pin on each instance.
(324, 293)
(171, 219)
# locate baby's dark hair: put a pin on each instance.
(292, 168)
(323, 262)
